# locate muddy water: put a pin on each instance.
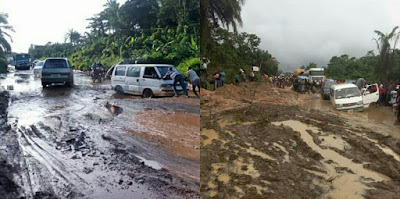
(380, 118)
(77, 137)
(345, 185)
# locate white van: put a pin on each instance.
(348, 96)
(143, 79)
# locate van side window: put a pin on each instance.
(150, 72)
(133, 71)
(120, 71)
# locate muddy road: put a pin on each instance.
(281, 144)
(88, 142)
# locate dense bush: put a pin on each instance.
(3, 65)
(192, 62)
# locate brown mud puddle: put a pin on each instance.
(177, 132)
(345, 184)
(245, 153)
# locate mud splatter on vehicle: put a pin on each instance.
(271, 146)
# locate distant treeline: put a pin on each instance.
(160, 31)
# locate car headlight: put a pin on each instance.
(360, 102)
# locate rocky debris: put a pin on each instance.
(76, 156)
(113, 109)
(87, 170)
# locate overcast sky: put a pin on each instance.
(300, 32)
(41, 21)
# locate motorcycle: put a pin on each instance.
(98, 74)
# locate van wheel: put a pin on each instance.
(147, 93)
(44, 85)
(119, 90)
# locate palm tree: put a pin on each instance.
(73, 36)
(215, 12)
(111, 13)
(386, 55)
(4, 27)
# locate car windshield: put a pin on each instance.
(39, 63)
(19, 57)
(347, 93)
(317, 73)
(163, 70)
(55, 63)
(328, 84)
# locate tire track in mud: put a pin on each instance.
(34, 147)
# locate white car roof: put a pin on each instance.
(150, 65)
(342, 86)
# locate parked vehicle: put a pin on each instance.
(348, 96)
(326, 88)
(143, 79)
(37, 69)
(22, 61)
(315, 74)
(34, 63)
(57, 70)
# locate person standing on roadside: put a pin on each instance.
(217, 79)
(242, 75)
(203, 72)
(194, 79)
(177, 77)
(398, 107)
(236, 78)
(222, 73)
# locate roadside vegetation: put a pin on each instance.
(159, 31)
(5, 37)
(229, 50)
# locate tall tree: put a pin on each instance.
(111, 14)
(215, 12)
(5, 28)
(73, 37)
(386, 44)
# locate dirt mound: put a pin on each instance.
(8, 188)
(231, 96)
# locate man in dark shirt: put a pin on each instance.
(177, 77)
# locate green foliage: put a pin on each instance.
(193, 62)
(5, 28)
(230, 52)
(136, 30)
(3, 65)
(344, 67)
(386, 44)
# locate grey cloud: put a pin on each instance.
(300, 32)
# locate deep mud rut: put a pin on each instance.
(87, 142)
(265, 149)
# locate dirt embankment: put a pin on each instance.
(271, 147)
(232, 97)
(8, 189)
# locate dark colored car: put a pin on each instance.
(57, 70)
(325, 88)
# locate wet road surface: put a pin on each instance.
(88, 142)
(381, 118)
